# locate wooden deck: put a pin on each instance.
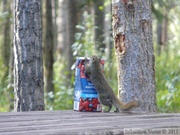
(71, 122)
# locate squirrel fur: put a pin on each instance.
(106, 95)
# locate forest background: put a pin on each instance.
(77, 28)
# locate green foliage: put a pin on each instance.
(3, 89)
(168, 63)
(168, 82)
(4, 15)
(63, 95)
(84, 44)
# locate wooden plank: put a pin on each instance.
(71, 122)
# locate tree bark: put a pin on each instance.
(132, 33)
(48, 48)
(28, 70)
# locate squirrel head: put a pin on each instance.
(95, 61)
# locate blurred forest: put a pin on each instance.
(77, 28)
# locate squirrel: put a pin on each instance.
(106, 95)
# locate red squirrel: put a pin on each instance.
(106, 95)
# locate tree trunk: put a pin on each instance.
(54, 17)
(71, 30)
(28, 70)
(165, 31)
(11, 81)
(159, 37)
(99, 26)
(108, 38)
(132, 33)
(48, 48)
(66, 36)
(61, 28)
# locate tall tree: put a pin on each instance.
(48, 48)
(132, 33)
(108, 37)
(28, 70)
(99, 25)
(61, 28)
(66, 35)
(71, 30)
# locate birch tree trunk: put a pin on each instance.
(28, 70)
(132, 33)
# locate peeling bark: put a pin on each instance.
(132, 33)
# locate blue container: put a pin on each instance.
(85, 94)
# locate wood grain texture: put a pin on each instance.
(81, 123)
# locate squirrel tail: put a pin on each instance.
(126, 106)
